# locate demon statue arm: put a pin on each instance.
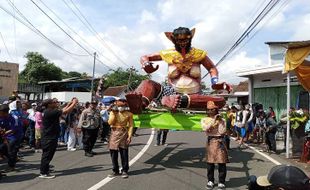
(209, 65)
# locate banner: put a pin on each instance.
(167, 120)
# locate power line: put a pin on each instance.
(34, 29)
(97, 35)
(14, 26)
(6, 48)
(257, 20)
(284, 4)
(72, 30)
(61, 28)
(254, 12)
(37, 31)
(92, 30)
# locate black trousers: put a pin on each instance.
(124, 159)
(271, 141)
(165, 133)
(89, 139)
(105, 131)
(13, 147)
(221, 169)
(48, 150)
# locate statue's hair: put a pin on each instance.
(181, 30)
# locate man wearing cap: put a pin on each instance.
(90, 122)
(215, 127)
(51, 132)
(285, 177)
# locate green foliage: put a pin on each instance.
(71, 74)
(120, 77)
(39, 68)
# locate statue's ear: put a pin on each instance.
(193, 32)
(169, 35)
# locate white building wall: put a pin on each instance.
(276, 54)
(272, 80)
(67, 96)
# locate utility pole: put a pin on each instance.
(131, 69)
(92, 81)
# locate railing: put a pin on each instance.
(29, 88)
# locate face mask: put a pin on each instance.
(121, 109)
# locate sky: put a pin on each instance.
(120, 32)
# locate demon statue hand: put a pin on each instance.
(184, 76)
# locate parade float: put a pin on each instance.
(182, 94)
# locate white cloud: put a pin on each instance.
(301, 27)
(218, 24)
(147, 16)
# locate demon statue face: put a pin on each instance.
(182, 38)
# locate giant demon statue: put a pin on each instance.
(184, 76)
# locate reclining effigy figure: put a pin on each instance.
(184, 77)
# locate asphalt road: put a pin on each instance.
(179, 166)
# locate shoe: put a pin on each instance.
(88, 154)
(156, 144)
(93, 153)
(221, 186)
(124, 175)
(114, 174)
(210, 185)
(165, 144)
(46, 176)
(71, 149)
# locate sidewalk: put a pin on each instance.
(282, 154)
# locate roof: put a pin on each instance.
(241, 87)
(291, 44)
(260, 70)
(73, 79)
(115, 90)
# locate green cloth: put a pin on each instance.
(167, 120)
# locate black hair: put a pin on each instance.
(39, 108)
(181, 31)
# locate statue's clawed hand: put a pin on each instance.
(149, 68)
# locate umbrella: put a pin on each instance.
(108, 100)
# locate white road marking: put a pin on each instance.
(263, 154)
(131, 162)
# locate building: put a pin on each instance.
(239, 94)
(116, 91)
(66, 89)
(8, 79)
(267, 85)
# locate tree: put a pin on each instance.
(71, 74)
(39, 68)
(120, 77)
